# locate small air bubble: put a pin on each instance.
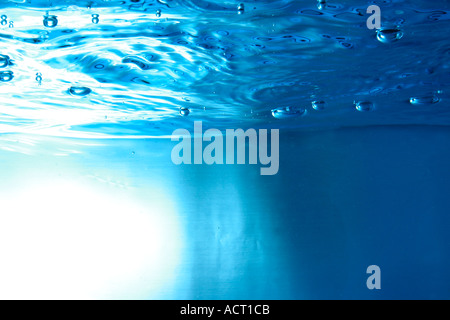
(288, 112)
(318, 105)
(50, 21)
(79, 91)
(184, 111)
(95, 18)
(4, 61)
(39, 77)
(241, 8)
(364, 106)
(389, 35)
(321, 4)
(158, 13)
(424, 100)
(6, 76)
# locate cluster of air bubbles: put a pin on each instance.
(321, 4)
(158, 13)
(288, 112)
(318, 105)
(241, 8)
(39, 78)
(4, 21)
(389, 35)
(79, 91)
(50, 21)
(95, 18)
(431, 99)
(184, 111)
(6, 76)
(363, 106)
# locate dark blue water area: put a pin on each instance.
(342, 201)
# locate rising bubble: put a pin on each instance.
(95, 18)
(288, 112)
(241, 8)
(39, 77)
(424, 100)
(321, 4)
(80, 91)
(4, 60)
(364, 106)
(389, 35)
(50, 21)
(6, 76)
(184, 111)
(318, 105)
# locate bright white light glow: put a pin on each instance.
(69, 241)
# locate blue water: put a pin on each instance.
(91, 205)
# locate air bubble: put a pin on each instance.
(39, 77)
(321, 4)
(184, 111)
(241, 8)
(389, 35)
(4, 61)
(6, 76)
(4, 20)
(11, 24)
(158, 13)
(318, 105)
(424, 100)
(364, 106)
(95, 18)
(50, 21)
(288, 112)
(80, 91)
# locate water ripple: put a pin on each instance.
(131, 68)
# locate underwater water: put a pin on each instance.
(93, 207)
